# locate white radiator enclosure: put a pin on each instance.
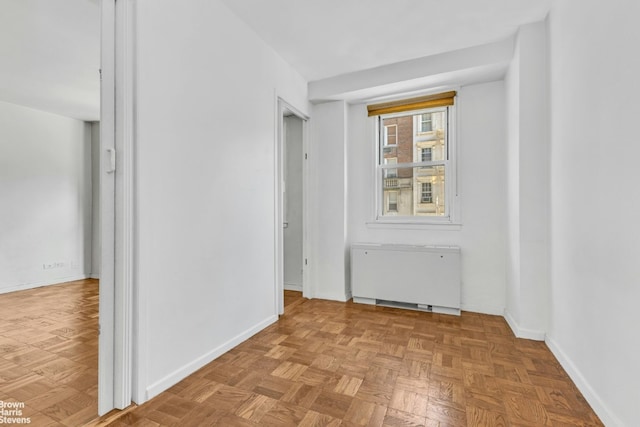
(418, 277)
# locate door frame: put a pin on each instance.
(283, 107)
(115, 345)
(107, 208)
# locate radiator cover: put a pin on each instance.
(419, 277)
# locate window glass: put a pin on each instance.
(414, 169)
(427, 193)
(390, 134)
(426, 154)
(425, 122)
(425, 185)
(392, 202)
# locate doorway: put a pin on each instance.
(293, 208)
(292, 181)
(50, 139)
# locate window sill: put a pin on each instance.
(399, 225)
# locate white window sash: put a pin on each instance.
(451, 214)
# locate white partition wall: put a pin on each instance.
(206, 199)
(595, 203)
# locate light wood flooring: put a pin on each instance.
(49, 352)
(328, 363)
(291, 299)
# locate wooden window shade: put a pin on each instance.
(430, 101)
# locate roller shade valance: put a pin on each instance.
(430, 101)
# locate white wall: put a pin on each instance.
(512, 116)
(206, 94)
(528, 184)
(45, 194)
(482, 174)
(293, 234)
(329, 260)
(595, 201)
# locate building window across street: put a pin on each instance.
(425, 123)
(426, 154)
(392, 201)
(391, 172)
(426, 194)
(390, 135)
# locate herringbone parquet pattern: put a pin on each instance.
(329, 364)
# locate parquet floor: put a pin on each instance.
(292, 298)
(49, 352)
(328, 363)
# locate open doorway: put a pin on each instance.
(58, 127)
(292, 204)
(49, 173)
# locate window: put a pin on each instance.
(425, 123)
(426, 154)
(392, 201)
(391, 173)
(416, 161)
(426, 196)
(391, 135)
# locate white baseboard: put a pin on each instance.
(519, 332)
(25, 286)
(292, 287)
(445, 310)
(368, 301)
(494, 311)
(332, 297)
(95, 276)
(583, 385)
(186, 370)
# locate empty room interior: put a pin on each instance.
(49, 221)
(319, 212)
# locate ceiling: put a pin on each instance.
(325, 38)
(50, 56)
(49, 50)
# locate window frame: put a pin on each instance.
(395, 193)
(386, 136)
(421, 121)
(392, 172)
(429, 191)
(451, 216)
(423, 151)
